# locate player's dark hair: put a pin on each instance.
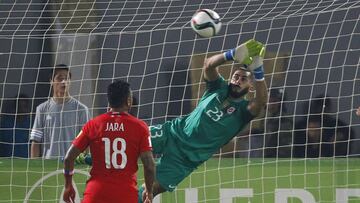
(237, 66)
(118, 93)
(58, 68)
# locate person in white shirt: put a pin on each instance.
(58, 119)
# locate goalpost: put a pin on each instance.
(312, 72)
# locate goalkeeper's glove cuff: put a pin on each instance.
(259, 73)
(229, 55)
(88, 160)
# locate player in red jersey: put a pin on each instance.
(116, 141)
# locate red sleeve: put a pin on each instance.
(82, 140)
(145, 144)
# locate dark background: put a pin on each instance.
(150, 44)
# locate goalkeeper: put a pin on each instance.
(222, 112)
(186, 142)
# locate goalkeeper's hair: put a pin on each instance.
(118, 93)
(237, 66)
(58, 68)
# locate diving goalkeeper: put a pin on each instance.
(186, 142)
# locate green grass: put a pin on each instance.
(320, 177)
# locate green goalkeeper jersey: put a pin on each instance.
(213, 123)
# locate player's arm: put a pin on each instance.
(35, 149)
(149, 172)
(70, 157)
(69, 192)
(37, 134)
(241, 54)
(210, 67)
(260, 85)
(261, 98)
(80, 143)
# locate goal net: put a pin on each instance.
(303, 148)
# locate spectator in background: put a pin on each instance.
(269, 135)
(278, 127)
(320, 104)
(58, 119)
(358, 111)
(321, 135)
(14, 128)
(321, 138)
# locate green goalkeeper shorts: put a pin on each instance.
(172, 167)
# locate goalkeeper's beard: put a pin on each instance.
(237, 92)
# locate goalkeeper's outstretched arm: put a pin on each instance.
(261, 98)
(257, 69)
(241, 54)
(210, 67)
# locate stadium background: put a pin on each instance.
(121, 39)
(147, 41)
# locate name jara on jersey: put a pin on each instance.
(114, 127)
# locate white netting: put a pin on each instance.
(311, 69)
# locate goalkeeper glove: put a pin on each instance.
(257, 65)
(244, 52)
(84, 159)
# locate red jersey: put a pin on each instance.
(116, 141)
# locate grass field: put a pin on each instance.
(21, 179)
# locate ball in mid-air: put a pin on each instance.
(206, 23)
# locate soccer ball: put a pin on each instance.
(206, 23)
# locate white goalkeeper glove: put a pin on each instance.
(243, 53)
(256, 66)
